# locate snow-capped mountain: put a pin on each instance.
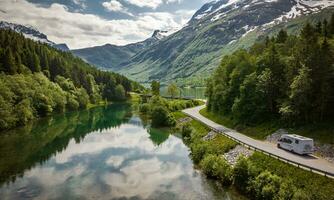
(218, 28)
(32, 33)
(218, 8)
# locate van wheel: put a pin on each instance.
(278, 146)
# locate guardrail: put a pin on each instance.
(291, 162)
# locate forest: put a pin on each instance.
(37, 80)
(285, 78)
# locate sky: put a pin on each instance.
(87, 23)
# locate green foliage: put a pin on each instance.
(241, 174)
(155, 87)
(216, 167)
(172, 90)
(66, 82)
(285, 78)
(186, 131)
(265, 186)
(161, 117)
(120, 92)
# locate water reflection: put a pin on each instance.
(103, 153)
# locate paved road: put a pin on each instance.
(309, 161)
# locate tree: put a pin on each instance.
(282, 36)
(155, 87)
(8, 62)
(120, 92)
(161, 117)
(299, 105)
(172, 90)
(266, 186)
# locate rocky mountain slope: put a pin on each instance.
(217, 29)
(112, 56)
(32, 33)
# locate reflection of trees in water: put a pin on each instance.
(158, 136)
(21, 149)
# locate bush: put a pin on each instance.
(198, 150)
(186, 131)
(241, 175)
(265, 186)
(301, 195)
(161, 117)
(144, 108)
(24, 112)
(217, 167)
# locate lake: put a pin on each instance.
(102, 153)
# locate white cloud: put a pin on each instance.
(115, 6)
(80, 3)
(84, 30)
(146, 3)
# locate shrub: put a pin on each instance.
(301, 195)
(265, 186)
(144, 108)
(161, 117)
(186, 131)
(198, 150)
(217, 167)
(241, 175)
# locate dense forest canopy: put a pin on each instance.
(36, 80)
(285, 77)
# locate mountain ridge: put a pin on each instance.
(32, 33)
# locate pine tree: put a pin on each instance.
(9, 64)
(325, 28)
(331, 25)
(282, 36)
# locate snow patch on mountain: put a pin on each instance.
(302, 7)
(32, 33)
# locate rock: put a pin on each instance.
(211, 135)
(233, 155)
(184, 120)
(273, 138)
(325, 150)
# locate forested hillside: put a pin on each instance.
(37, 80)
(290, 78)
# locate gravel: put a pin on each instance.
(273, 138)
(233, 155)
(326, 151)
(211, 135)
(184, 120)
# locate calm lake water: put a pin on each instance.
(195, 93)
(103, 153)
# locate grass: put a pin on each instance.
(258, 132)
(317, 186)
(322, 133)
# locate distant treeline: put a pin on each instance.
(36, 80)
(285, 77)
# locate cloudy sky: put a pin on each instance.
(85, 23)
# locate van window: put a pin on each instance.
(297, 141)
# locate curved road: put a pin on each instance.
(310, 161)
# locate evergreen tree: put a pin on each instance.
(9, 63)
(282, 36)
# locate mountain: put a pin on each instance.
(32, 33)
(112, 56)
(218, 28)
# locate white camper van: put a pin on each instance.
(296, 143)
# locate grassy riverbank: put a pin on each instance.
(259, 176)
(321, 132)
